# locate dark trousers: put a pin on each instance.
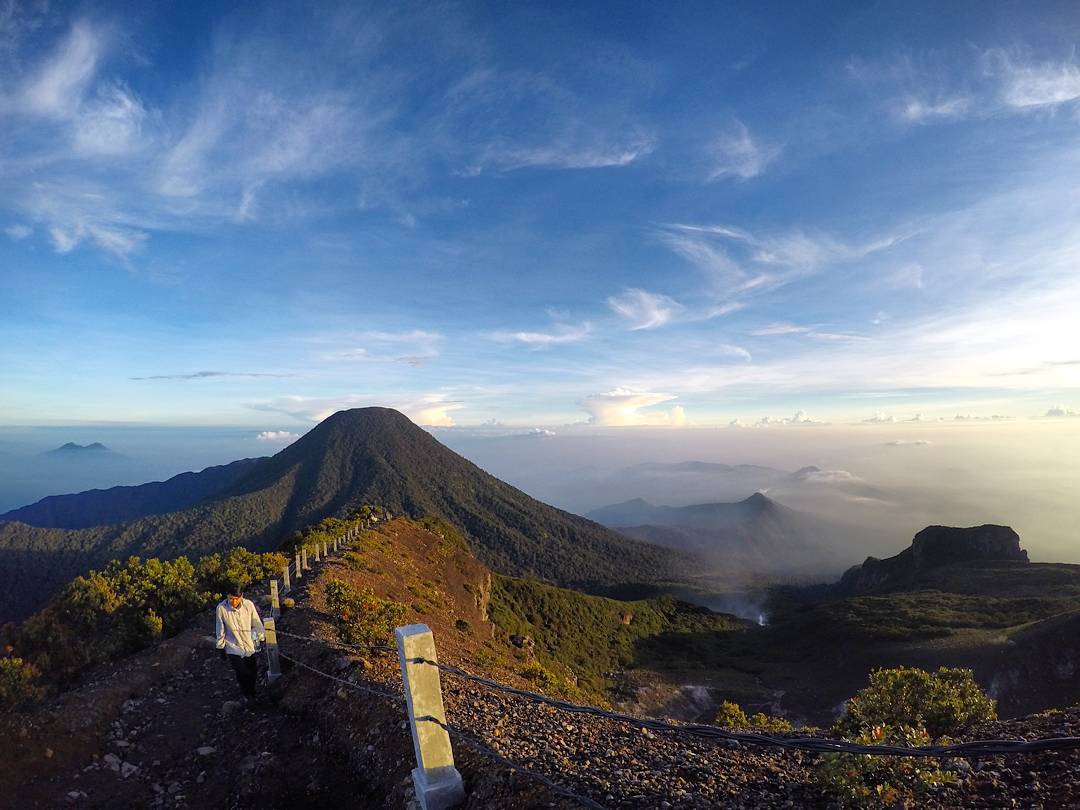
(246, 669)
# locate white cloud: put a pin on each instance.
(282, 436)
(1057, 411)
(585, 155)
(798, 418)
(18, 232)
(779, 329)
(625, 407)
(540, 340)
(120, 243)
(1039, 85)
(921, 112)
(58, 87)
(908, 443)
(112, 124)
(910, 275)
(644, 310)
(881, 418)
(431, 410)
(737, 154)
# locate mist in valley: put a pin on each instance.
(878, 484)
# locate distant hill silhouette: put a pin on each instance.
(934, 547)
(368, 455)
(103, 507)
(755, 535)
(72, 449)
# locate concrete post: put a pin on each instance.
(335, 544)
(317, 552)
(299, 567)
(273, 663)
(325, 550)
(303, 556)
(437, 782)
(275, 602)
(285, 578)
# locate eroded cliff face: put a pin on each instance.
(933, 547)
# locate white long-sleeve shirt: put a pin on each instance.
(239, 628)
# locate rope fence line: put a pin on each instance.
(818, 745)
(441, 782)
(468, 739)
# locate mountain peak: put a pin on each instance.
(933, 547)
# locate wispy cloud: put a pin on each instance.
(18, 232)
(643, 309)
(736, 153)
(765, 261)
(778, 329)
(205, 375)
(277, 436)
(57, 88)
(909, 443)
(586, 155)
(563, 333)
(1037, 84)
(916, 111)
(429, 410)
(1060, 411)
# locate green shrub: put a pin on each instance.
(361, 616)
(18, 682)
(730, 715)
(903, 706)
(544, 678)
(215, 572)
(878, 782)
(948, 701)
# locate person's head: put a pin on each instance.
(236, 594)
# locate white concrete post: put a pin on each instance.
(303, 556)
(437, 782)
(285, 578)
(275, 602)
(299, 567)
(316, 552)
(273, 664)
(335, 544)
(325, 550)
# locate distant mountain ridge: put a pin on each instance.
(104, 507)
(367, 455)
(754, 535)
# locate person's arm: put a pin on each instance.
(256, 623)
(219, 632)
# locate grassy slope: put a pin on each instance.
(594, 636)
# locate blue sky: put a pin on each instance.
(617, 214)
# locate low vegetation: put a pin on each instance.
(119, 610)
(593, 636)
(360, 616)
(731, 715)
(903, 706)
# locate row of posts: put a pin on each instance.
(273, 662)
(436, 779)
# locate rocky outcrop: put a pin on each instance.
(933, 547)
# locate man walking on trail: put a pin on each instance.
(238, 628)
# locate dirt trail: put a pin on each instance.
(168, 730)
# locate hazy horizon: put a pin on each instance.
(888, 481)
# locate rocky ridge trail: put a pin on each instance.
(163, 729)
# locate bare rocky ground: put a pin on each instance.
(164, 729)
